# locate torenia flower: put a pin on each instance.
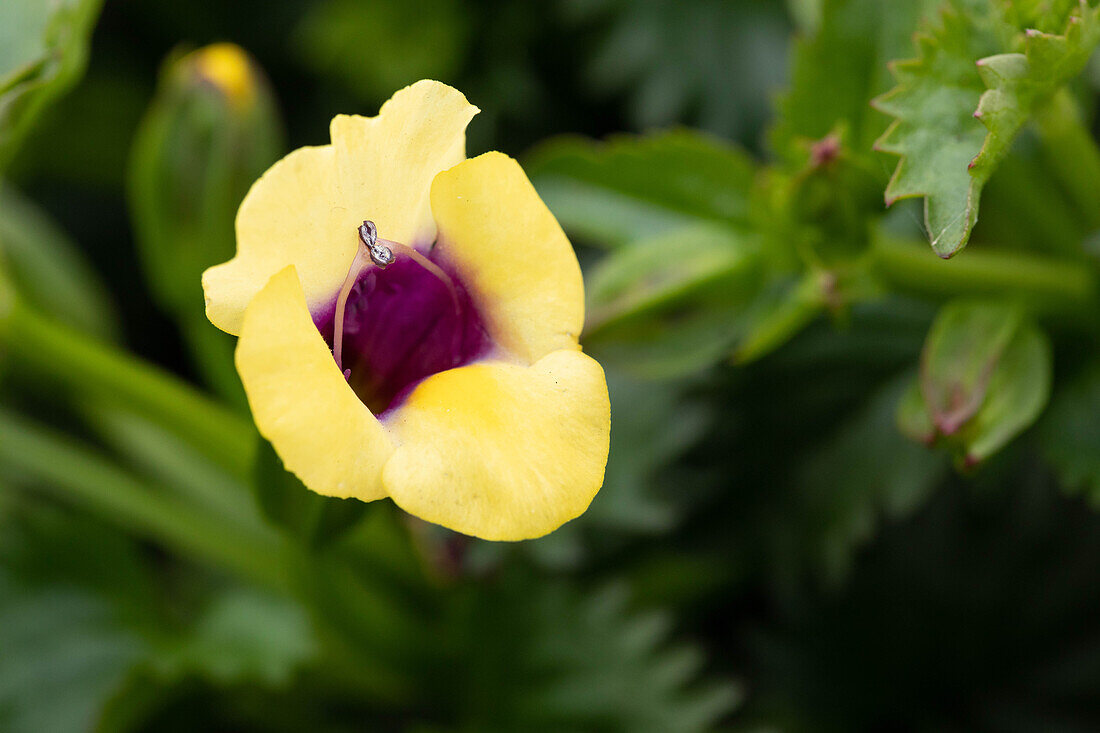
(408, 325)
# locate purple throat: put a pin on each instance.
(406, 317)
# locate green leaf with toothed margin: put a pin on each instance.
(934, 130)
(979, 76)
(1019, 83)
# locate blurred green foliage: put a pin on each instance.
(43, 49)
(852, 487)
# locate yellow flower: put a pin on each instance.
(466, 397)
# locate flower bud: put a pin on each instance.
(210, 131)
(984, 377)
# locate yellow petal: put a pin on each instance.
(300, 401)
(289, 217)
(501, 451)
(511, 254)
(386, 164)
(306, 209)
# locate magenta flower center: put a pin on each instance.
(403, 323)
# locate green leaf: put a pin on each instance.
(935, 131)
(709, 63)
(862, 472)
(777, 314)
(1018, 391)
(546, 657)
(43, 49)
(961, 103)
(65, 655)
(420, 39)
(985, 376)
(77, 613)
(631, 188)
(669, 305)
(1019, 83)
(314, 519)
(244, 635)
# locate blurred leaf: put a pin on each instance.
(839, 67)
(806, 14)
(376, 48)
(81, 621)
(1018, 391)
(549, 658)
(1069, 433)
(711, 63)
(669, 305)
(645, 277)
(630, 188)
(49, 271)
(64, 656)
(43, 49)
(655, 422)
(76, 614)
(107, 103)
(170, 462)
(865, 470)
(244, 635)
(778, 312)
(314, 519)
(985, 376)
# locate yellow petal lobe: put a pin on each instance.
(385, 164)
(501, 451)
(512, 255)
(289, 217)
(300, 401)
(306, 209)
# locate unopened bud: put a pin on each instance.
(984, 377)
(210, 131)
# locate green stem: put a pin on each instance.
(84, 364)
(1073, 154)
(1048, 286)
(75, 473)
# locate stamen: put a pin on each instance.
(379, 253)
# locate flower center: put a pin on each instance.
(399, 319)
